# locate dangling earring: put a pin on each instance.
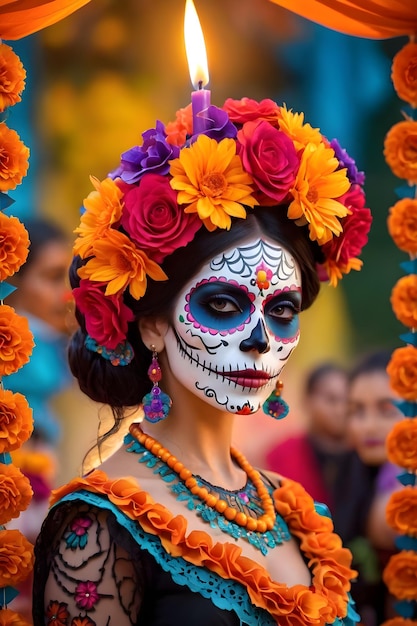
(156, 403)
(274, 405)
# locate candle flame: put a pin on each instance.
(195, 47)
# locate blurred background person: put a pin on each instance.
(371, 416)
(319, 456)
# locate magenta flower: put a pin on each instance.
(154, 220)
(270, 157)
(86, 595)
(106, 317)
(80, 525)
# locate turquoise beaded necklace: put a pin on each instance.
(245, 499)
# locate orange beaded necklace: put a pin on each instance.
(265, 522)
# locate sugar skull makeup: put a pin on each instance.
(235, 325)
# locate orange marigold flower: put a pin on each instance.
(401, 444)
(402, 370)
(11, 618)
(210, 179)
(178, 130)
(400, 575)
(14, 245)
(400, 150)
(317, 185)
(12, 77)
(335, 270)
(16, 558)
(16, 422)
(292, 124)
(15, 492)
(404, 300)
(401, 511)
(103, 208)
(404, 73)
(402, 224)
(120, 264)
(16, 341)
(14, 157)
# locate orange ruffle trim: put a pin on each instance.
(329, 562)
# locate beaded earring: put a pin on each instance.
(274, 405)
(156, 403)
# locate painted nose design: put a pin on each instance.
(258, 340)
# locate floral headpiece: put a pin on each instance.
(250, 154)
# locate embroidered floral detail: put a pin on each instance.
(57, 613)
(77, 536)
(329, 562)
(86, 595)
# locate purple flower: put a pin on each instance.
(345, 160)
(218, 124)
(86, 595)
(152, 156)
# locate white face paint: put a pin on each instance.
(235, 325)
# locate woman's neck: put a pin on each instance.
(200, 437)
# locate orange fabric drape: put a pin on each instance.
(373, 19)
(19, 18)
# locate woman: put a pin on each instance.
(371, 416)
(193, 262)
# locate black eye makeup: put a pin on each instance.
(220, 305)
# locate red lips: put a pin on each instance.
(248, 378)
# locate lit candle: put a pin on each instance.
(197, 63)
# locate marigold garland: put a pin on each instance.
(400, 150)
(16, 558)
(14, 245)
(11, 618)
(402, 444)
(402, 225)
(16, 421)
(404, 300)
(16, 340)
(12, 77)
(402, 370)
(14, 159)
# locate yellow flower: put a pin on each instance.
(317, 184)
(210, 179)
(292, 124)
(119, 263)
(103, 208)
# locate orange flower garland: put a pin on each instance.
(15, 492)
(16, 557)
(16, 423)
(400, 150)
(16, 341)
(12, 77)
(16, 344)
(402, 225)
(404, 300)
(14, 245)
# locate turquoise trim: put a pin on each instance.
(225, 594)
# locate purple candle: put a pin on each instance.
(197, 63)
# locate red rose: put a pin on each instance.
(248, 110)
(153, 219)
(106, 317)
(270, 157)
(355, 226)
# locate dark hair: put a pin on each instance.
(376, 361)
(320, 372)
(41, 232)
(125, 386)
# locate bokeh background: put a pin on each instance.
(103, 75)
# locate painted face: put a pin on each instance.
(235, 325)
